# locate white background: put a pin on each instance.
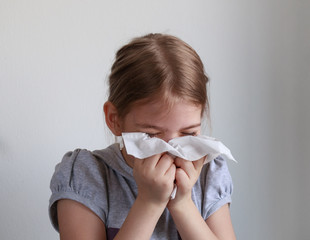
(55, 57)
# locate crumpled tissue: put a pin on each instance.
(191, 148)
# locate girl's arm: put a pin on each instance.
(141, 221)
(191, 225)
(220, 223)
(186, 216)
(155, 181)
(78, 222)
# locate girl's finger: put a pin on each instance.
(164, 163)
(151, 162)
(171, 171)
(182, 181)
(187, 166)
(199, 163)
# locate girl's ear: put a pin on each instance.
(112, 119)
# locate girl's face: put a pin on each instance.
(182, 119)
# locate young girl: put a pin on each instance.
(158, 87)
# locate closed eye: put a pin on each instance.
(189, 134)
(152, 134)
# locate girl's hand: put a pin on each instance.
(155, 178)
(187, 173)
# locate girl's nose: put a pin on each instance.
(168, 136)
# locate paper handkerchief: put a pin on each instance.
(190, 148)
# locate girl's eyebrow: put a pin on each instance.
(192, 126)
(143, 125)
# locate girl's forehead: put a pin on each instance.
(162, 108)
(156, 115)
(166, 102)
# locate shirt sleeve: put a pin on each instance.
(79, 177)
(217, 188)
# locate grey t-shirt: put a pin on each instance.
(102, 181)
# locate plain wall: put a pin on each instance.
(55, 57)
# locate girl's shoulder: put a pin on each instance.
(214, 186)
(215, 175)
(82, 165)
(84, 176)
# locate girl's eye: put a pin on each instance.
(190, 133)
(152, 134)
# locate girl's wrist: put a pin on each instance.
(178, 205)
(150, 206)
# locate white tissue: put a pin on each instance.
(191, 148)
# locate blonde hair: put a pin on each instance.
(157, 65)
